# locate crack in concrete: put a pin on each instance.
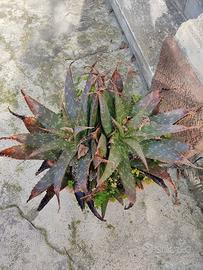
(80, 57)
(42, 231)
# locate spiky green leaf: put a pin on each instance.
(45, 116)
(114, 159)
(127, 179)
(105, 115)
(54, 176)
(168, 151)
(24, 152)
(137, 148)
(121, 110)
(170, 117)
(148, 103)
(154, 130)
(72, 103)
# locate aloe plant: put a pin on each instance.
(104, 143)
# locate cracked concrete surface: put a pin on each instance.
(38, 39)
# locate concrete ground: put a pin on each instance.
(38, 39)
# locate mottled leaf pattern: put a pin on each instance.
(117, 82)
(121, 110)
(80, 172)
(137, 148)
(147, 103)
(89, 84)
(33, 140)
(170, 117)
(30, 122)
(105, 116)
(168, 151)
(159, 181)
(44, 116)
(115, 157)
(155, 130)
(54, 176)
(24, 152)
(93, 110)
(127, 180)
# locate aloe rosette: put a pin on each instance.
(105, 143)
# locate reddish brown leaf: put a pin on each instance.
(48, 196)
(117, 82)
(162, 173)
(30, 122)
(127, 179)
(82, 150)
(89, 84)
(32, 140)
(50, 193)
(73, 105)
(90, 204)
(22, 152)
(46, 164)
(80, 172)
(54, 176)
(159, 181)
(46, 117)
(170, 117)
(21, 138)
(148, 103)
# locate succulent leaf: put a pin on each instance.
(154, 130)
(114, 159)
(44, 116)
(148, 103)
(80, 172)
(105, 115)
(54, 176)
(72, 104)
(46, 164)
(79, 129)
(109, 97)
(162, 173)
(48, 196)
(30, 122)
(82, 150)
(50, 193)
(121, 111)
(93, 110)
(170, 117)
(168, 151)
(127, 180)
(24, 152)
(104, 207)
(90, 204)
(159, 181)
(88, 86)
(32, 140)
(129, 82)
(116, 81)
(102, 146)
(137, 148)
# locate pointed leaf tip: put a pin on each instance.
(79, 197)
(22, 117)
(22, 92)
(49, 195)
(137, 148)
(129, 206)
(45, 116)
(90, 204)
